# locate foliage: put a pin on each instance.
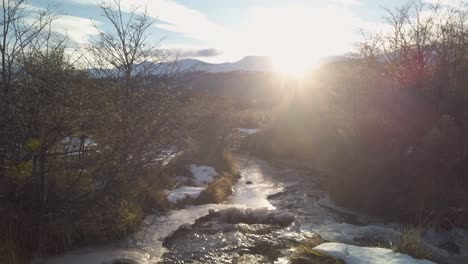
(19, 173)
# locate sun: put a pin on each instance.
(298, 37)
(293, 65)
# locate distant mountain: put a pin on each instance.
(260, 64)
(249, 63)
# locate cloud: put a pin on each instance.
(301, 29)
(177, 17)
(77, 29)
(200, 53)
(187, 51)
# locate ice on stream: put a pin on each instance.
(252, 191)
(149, 240)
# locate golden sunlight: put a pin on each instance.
(304, 40)
(294, 65)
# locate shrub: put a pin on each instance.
(410, 244)
(130, 215)
(218, 191)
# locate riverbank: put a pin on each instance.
(361, 183)
(273, 211)
(202, 179)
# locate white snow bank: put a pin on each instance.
(203, 174)
(184, 192)
(249, 131)
(282, 260)
(366, 255)
(348, 233)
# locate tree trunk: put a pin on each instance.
(42, 199)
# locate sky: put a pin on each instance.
(228, 30)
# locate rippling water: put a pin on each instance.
(197, 234)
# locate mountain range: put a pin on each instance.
(259, 64)
(249, 63)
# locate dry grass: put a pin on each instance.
(230, 163)
(219, 190)
(305, 254)
(410, 244)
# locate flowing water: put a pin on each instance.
(272, 209)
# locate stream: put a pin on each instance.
(272, 209)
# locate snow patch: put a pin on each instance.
(351, 234)
(184, 192)
(203, 174)
(282, 260)
(366, 255)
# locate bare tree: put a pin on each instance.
(17, 34)
(125, 52)
(20, 26)
(145, 112)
